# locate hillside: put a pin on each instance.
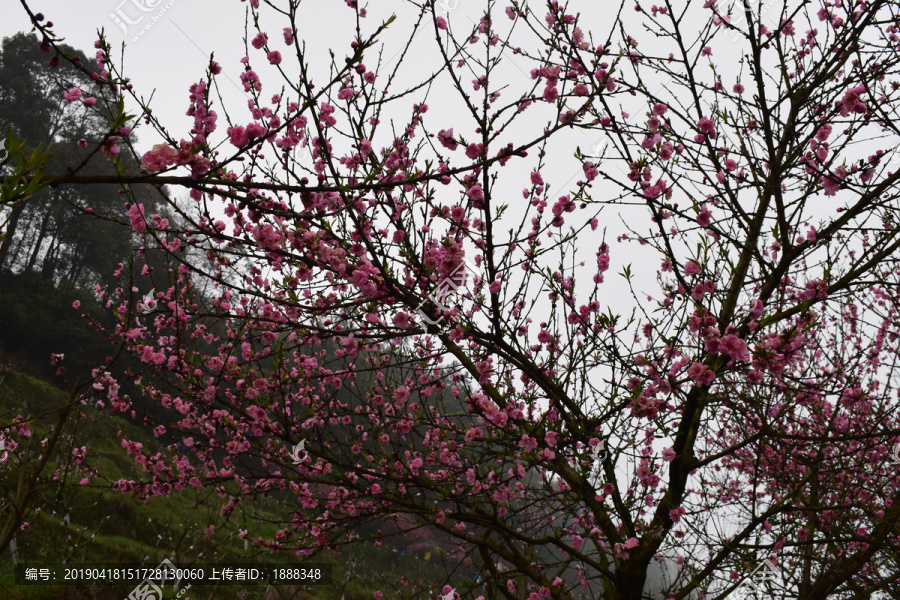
(94, 524)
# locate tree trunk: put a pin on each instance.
(13, 223)
(14, 551)
(38, 242)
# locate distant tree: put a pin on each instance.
(747, 398)
(57, 244)
(63, 232)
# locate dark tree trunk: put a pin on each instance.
(13, 223)
(38, 242)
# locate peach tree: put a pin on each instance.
(645, 381)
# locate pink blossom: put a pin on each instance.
(851, 102)
(550, 93)
(238, 136)
(72, 95)
(445, 137)
(288, 36)
(110, 146)
(401, 394)
(274, 57)
(734, 347)
(159, 158)
(692, 268)
(255, 130)
(701, 374)
(528, 443)
(823, 132)
(251, 81)
(401, 320)
(136, 212)
(475, 151)
(704, 218)
(707, 126)
(260, 40)
(666, 150)
(441, 23)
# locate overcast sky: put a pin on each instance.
(174, 52)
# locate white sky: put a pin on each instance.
(173, 53)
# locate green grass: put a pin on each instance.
(107, 527)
